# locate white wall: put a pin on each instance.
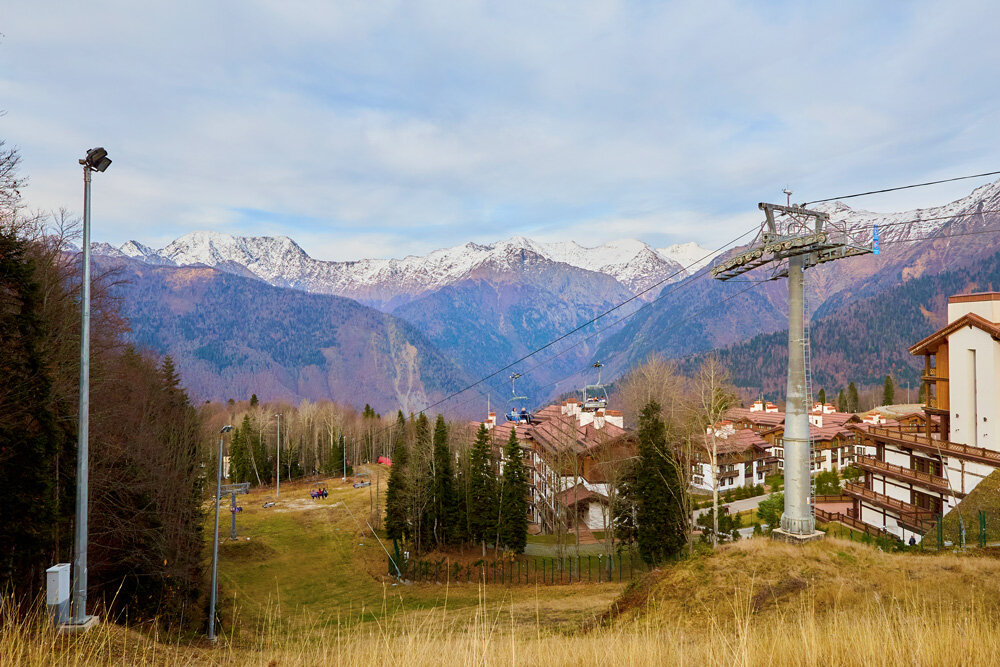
(975, 402)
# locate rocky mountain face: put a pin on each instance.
(231, 336)
(388, 283)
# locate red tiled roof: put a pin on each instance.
(577, 494)
(740, 441)
(756, 417)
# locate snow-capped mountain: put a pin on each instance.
(921, 222)
(388, 282)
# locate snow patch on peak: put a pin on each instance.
(690, 255)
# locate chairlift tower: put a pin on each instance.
(792, 239)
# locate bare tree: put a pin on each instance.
(712, 396)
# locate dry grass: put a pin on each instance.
(754, 603)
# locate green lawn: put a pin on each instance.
(315, 564)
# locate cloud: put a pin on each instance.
(391, 128)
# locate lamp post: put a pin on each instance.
(96, 160)
(215, 542)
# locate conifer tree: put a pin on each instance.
(28, 430)
(239, 457)
(659, 491)
(888, 391)
(482, 501)
(513, 498)
(396, 506)
(852, 398)
(253, 401)
(822, 396)
(421, 483)
(842, 401)
(445, 509)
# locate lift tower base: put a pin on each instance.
(780, 535)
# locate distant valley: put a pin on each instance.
(471, 309)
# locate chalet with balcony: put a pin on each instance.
(573, 456)
(834, 444)
(743, 458)
(919, 469)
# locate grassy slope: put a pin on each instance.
(302, 580)
(986, 497)
(314, 564)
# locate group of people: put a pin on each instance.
(316, 494)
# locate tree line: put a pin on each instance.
(443, 492)
(146, 474)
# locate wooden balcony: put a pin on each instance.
(904, 436)
(924, 479)
(911, 516)
(851, 522)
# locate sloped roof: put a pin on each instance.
(931, 343)
(578, 494)
(740, 440)
(564, 434)
(755, 417)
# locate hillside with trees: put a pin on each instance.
(146, 475)
(231, 336)
(862, 341)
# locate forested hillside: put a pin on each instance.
(861, 341)
(146, 474)
(232, 336)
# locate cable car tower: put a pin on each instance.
(791, 240)
(595, 396)
(517, 406)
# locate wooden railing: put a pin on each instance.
(910, 439)
(836, 498)
(899, 472)
(861, 492)
(840, 517)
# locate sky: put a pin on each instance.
(381, 129)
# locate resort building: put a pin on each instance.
(574, 457)
(916, 470)
(743, 458)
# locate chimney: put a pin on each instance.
(615, 418)
(491, 420)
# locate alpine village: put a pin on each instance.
(351, 353)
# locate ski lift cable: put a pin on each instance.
(672, 326)
(902, 187)
(589, 366)
(707, 256)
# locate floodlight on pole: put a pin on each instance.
(791, 240)
(215, 541)
(96, 160)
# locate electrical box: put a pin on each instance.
(57, 592)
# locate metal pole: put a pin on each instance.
(82, 449)
(215, 549)
(797, 518)
(343, 447)
(278, 491)
(232, 534)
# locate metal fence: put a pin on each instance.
(527, 570)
